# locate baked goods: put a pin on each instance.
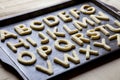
(116, 22)
(74, 12)
(115, 36)
(48, 70)
(51, 34)
(6, 34)
(74, 58)
(51, 20)
(67, 47)
(102, 44)
(26, 62)
(67, 29)
(87, 9)
(112, 28)
(79, 25)
(60, 38)
(102, 29)
(59, 34)
(80, 39)
(44, 50)
(99, 17)
(88, 51)
(45, 39)
(20, 43)
(22, 30)
(37, 25)
(31, 41)
(64, 16)
(93, 34)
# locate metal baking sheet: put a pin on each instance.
(113, 8)
(29, 72)
(10, 64)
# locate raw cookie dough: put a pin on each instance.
(48, 70)
(74, 58)
(14, 47)
(44, 51)
(31, 41)
(45, 39)
(51, 20)
(26, 62)
(22, 30)
(37, 25)
(116, 22)
(102, 44)
(115, 36)
(6, 34)
(80, 39)
(88, 51)
(51, 34)
(112, 28)
(100, 16)
(67, 47)
(75, 13)
(87, 9)
(64, 16)
(102, 29)
(79, 25)
(69, 31)
(59, 34)
(93, 34)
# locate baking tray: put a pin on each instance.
(29, 72)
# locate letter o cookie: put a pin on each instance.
(26, 62)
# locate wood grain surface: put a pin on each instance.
(109, 71)
(11, 7)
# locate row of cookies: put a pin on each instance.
(76, 37)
